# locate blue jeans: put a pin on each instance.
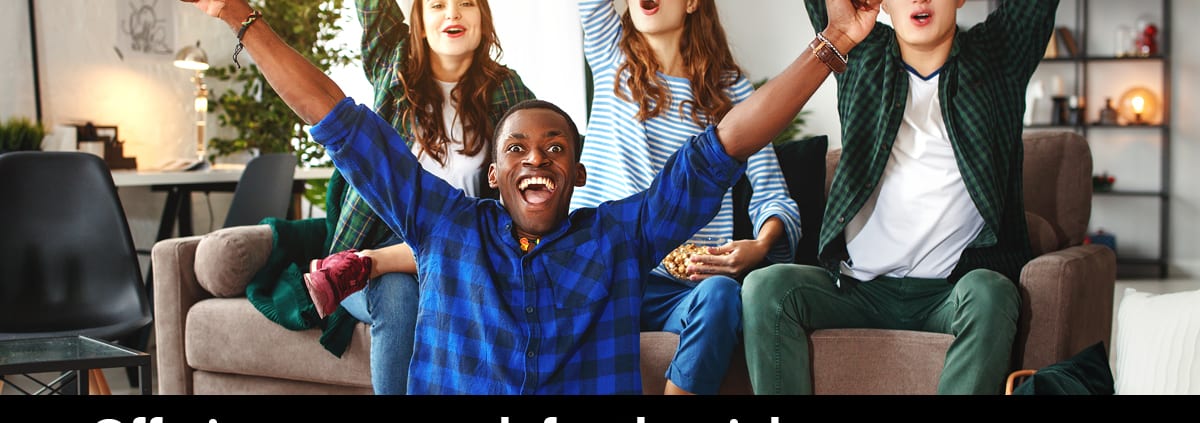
(389, 305)
(708, 320)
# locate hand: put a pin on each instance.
(734, 259)
(210, 7)
(850, 21)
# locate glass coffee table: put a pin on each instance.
(70, 353)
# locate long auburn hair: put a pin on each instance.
(706, 56)
(473, 92)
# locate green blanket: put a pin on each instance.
(278, 291)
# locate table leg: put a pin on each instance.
(166, 224)
(145, 384)
(82, 384)
(185, 213)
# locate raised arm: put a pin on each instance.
(1023, 28)
(601, 31)
(384, 40)
(307, 90)
(754, 122)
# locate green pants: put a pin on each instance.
(783, 303)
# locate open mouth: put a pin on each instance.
(649, 5)
(454, 30)
(536, 189)
(921, 18)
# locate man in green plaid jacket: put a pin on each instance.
(924, 228)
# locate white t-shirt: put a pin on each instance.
(920, 217)
(460, 170)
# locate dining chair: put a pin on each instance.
(264, 190)
(69, 266)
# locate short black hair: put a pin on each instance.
(541, 104)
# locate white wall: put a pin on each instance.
(541, 41)
(766, 36)
(1185, 136)
(16, 87)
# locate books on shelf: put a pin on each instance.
(1070, 48)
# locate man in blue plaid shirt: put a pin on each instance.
(517, 296)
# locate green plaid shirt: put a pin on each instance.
(385, 37)
(982, 92)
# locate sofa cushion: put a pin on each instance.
(264, 348)
(1042, 236)
(226, 259)
(877, 361)
(1057, 177)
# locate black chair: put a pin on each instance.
(69, 266)
(264, 190)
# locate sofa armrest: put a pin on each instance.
(1066, 304)
(175, 291)
(189, 270)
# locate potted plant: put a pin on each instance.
(262, 120)
(21, 134)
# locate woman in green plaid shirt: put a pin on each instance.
(446, 96)
(924, 228)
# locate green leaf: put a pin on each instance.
(261, 119)
(21, 134)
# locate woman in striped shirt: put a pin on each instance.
(662, 73)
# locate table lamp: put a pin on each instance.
(194, 58)
(1139, 106)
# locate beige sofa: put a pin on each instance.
(210, 340)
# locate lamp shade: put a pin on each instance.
(192, 57)
(1140, 106)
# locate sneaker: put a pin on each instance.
(331, 279)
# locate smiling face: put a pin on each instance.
(453, 28)
(658, 17)
(537, 166)
(924, 24)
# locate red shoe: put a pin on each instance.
(331, 279)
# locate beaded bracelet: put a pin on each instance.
(252, 18)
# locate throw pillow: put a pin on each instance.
(803, 165)
(226, 259)
(1086, 373)
(1158, 343)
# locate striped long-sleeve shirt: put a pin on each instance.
(623, 154)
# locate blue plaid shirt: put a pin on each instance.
(561, 319)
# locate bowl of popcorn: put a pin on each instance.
(678, 260)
